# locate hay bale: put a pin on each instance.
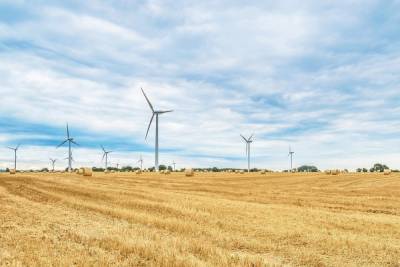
(335, 172)
(241, 171)
(189, 172)
(138, 171)
(87, 171)
(12, 171)
(167, 172)
(262, 172)
(327, 171)
(80, 171)
(387, 172)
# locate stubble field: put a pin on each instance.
(211, 219)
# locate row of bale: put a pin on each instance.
(337, 172)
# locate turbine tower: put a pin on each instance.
(248, 142)
(15, 155)
(70, 141)
(105, 155)
(155, 113)
(141, 162)
(291, 158)
(53, 162)
(173, 163)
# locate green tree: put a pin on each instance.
(306, 168)
(378, 167)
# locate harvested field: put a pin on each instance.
(210, 219)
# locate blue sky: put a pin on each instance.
(321, 76)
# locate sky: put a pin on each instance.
(319, 76)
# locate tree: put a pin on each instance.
(359, 170)
(215, 169)
(162, 167)
(378, 167)
(306, 168)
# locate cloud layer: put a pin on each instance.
(321, 77)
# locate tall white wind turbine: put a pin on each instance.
(53, 162)
(15, 155)
(141, 162)
(156, 113)
(291, 158)
(70, 141)
(105, 155)
(248, 142)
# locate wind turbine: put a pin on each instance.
(53, 162)
(141, 162)
(105, 155)
(70, 141)
(291, 158)
(155, 113)
(173, 163)
(248, 142)
(15, 155)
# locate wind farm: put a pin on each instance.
(200, 133)
(141, 216)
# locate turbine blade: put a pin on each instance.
(148, 128)
(164, 111)
(67, 131)
(10, 148)
(244, 138)
(18, 146)
(251, 136)
(72, 141)
(148, 101)
(103, 149)
(62, 143)
(104, 154)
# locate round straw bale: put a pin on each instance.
(387, 172)
(189, 172)
(12, 171)
(138, 171)
(87, 171)
(167, 172)
(335, 172)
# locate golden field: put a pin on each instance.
(211, 219)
